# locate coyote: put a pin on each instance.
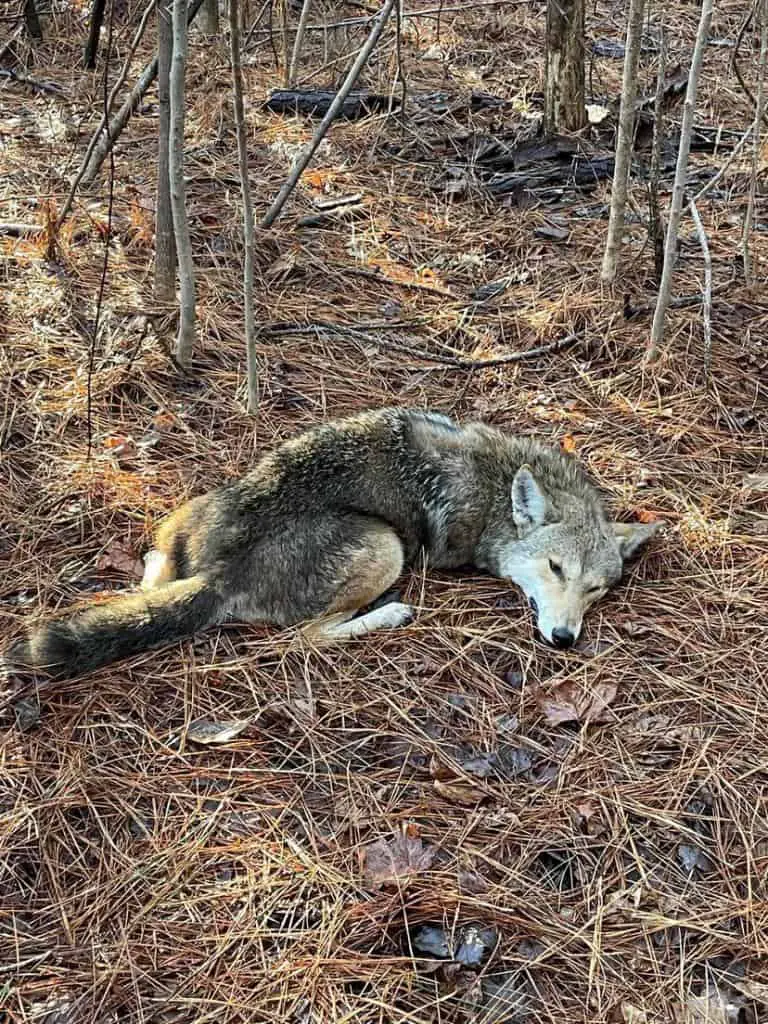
(324, 525)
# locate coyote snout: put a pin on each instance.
(567, 555)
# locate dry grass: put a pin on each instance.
(146, 878)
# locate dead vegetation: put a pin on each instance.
(451, 822)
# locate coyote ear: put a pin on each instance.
(529, 503)
(632, 536)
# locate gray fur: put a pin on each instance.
(331, 516)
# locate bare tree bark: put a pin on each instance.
(655, 224)
(248, 223)
(94, 33)
(564, 100)
(165, 241)
(103, 141)
(186, 335)
(706, 308)
(749, 216)
(322, 129)
(298, 41)
(678, 190)
(31, 19)
(208, 18)
(624, 139)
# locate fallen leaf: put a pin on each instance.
(434, 941)
(568, 443)
(645, 515)
(208, 732)
(568, 702)
(396, 860)
(120, 557)
(506, 999)
(713, 1006)
(472, 882)
(163, 420)
(755, 990)
(692, 857)
(596, 113)
(474, 943)
(481, 766)
(635, 1015)
(507, 723)
(459, 792)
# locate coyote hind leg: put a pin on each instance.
(371, 569)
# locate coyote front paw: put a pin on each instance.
(390, 616)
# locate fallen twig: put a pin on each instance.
(340, 330)
(32, 83)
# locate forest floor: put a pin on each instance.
(382, 799)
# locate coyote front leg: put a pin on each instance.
(371, 569)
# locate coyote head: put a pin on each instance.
(567, 554)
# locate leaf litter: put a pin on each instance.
(75, 874)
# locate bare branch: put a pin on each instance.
(322, 129)
(655, 223)
(103, 141)
(749, 216)
(624, 139)
(678, 190)
(165, 241)
(186, 335)
(706, 308)
(248, 221)
(297, 42)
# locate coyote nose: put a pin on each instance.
(562, 638)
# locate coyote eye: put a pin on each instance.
(556, 569)
(593, 590)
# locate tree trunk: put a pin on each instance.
(564, 101)
(624, 139)
(248, 225)
(186, 336)
(208, 18)
(165, 242)
(678, 190)
(31, 19)
(297, 42)
(749, 216)
(655, 225)
(94, 33)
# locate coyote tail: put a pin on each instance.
(118, 628)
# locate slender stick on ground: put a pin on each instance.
(297, 42)
(624, 139)
(655, 223)
(706, 308)
(301, 164)
(248, 225)
(678, 190)
(103, 141)
(186, 336)
(165, 241)
(749, 216)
